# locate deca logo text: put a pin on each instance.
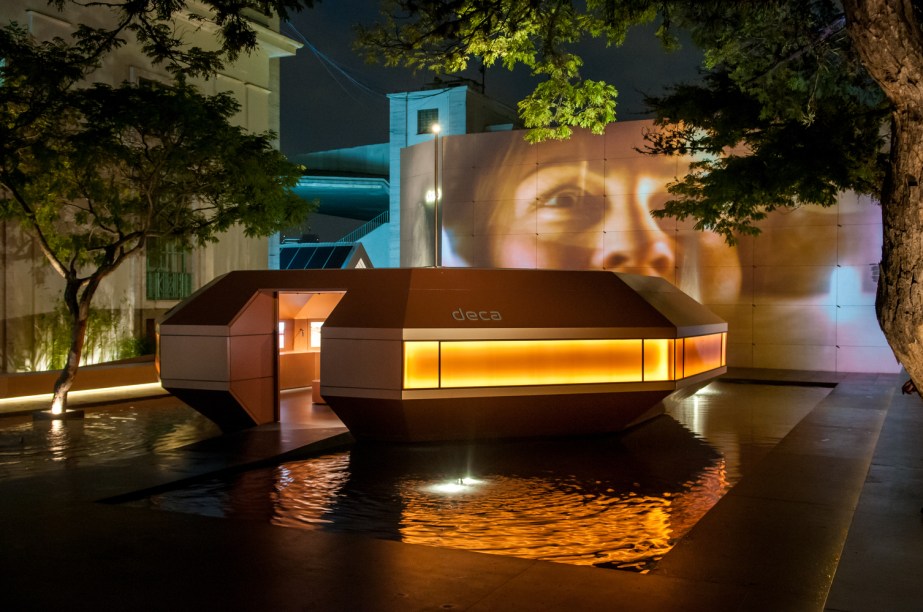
(476, 315)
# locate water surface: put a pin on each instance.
(618, 501)
(106, 433)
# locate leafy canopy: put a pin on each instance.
(93, 172)
(445, 37)
(785, 114)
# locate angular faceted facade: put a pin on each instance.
(439, 354)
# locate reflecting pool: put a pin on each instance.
(619, 501)
(114, 432)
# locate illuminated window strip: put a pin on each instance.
(436, 364)
(517, 363)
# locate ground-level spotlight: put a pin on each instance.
(51, 415)
(459, 485)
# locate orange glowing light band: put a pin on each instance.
(435, 364)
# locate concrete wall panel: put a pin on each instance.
(369, 364)
(194, 357)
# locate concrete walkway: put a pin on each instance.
(829, 520)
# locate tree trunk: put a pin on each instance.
(78, 306)
(890, 44)
(899, 302)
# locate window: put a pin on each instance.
(168, 275)
(315, 333)
(437, 364)
(426, 117)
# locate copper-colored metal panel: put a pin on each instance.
(538, 333)
(257, 317)
(522, 298)
(291, 303)
(320, 305)
(256, 396)
(252, 356)
(193, 330)
(689, 317)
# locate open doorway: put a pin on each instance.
(301, 314)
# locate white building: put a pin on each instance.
(128, 302)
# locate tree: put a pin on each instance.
(798, 101)
(445, 36)
(93, 172)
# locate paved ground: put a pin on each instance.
(829, 520)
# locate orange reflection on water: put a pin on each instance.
(560, 518)
(524, 517)
(532, 519)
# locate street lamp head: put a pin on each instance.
(435, 128)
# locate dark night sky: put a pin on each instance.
(321, 112)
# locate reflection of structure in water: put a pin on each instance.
(612, 501)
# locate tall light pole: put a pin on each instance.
(436, 128)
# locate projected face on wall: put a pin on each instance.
(566, 205)
(800, 295)
(584, 220)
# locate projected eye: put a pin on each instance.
(563, 199)
(568, 209)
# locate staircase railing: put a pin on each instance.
(366, 228)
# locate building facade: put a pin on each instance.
(358, 189)
(800, 295)
(458, 110)
(129, 301)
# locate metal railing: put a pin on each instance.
(366, 228)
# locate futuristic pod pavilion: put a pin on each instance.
(429, 354)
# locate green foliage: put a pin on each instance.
(92, 172)
(103, 168)
(785, 115)
(44, 340)
(558, 105)
(131, 346)
(444, 37)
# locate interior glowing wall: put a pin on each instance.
(434, 364)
